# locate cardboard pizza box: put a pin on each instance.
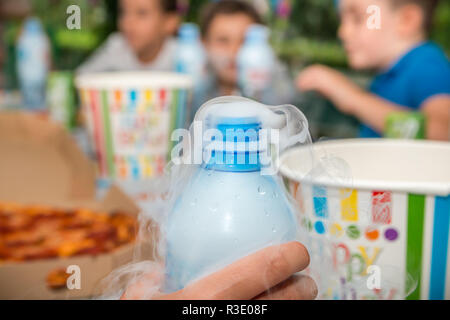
(40, 164)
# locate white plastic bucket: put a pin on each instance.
(393, 210)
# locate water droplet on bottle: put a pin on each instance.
(266, 212)
(274, 230)
(194, 202)
(261, 191)
(274, 195)
(235, 241)
(237, 196)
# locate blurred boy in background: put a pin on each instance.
(413, 73)
(223, 26)
(145, 39)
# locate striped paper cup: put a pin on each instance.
(393, 209)
(130, 117)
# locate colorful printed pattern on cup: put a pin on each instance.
(131, 129)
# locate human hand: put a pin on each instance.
(265, 275)
(330, 83)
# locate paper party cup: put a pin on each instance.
(393, 209)
(130, 117)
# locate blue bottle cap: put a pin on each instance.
(32, 25)
(257, 33)
(238, 149)
(244, 129)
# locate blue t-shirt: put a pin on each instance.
(420, 74)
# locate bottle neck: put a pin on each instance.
(256, 41)
(236, 149)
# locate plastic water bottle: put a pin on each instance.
(229, 208)
(256, 62)
(33, 52)
(191, 60)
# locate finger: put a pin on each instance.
(252, 275)
(298, 287)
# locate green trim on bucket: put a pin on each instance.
(107, 134)
(414, 242)
(173, 121)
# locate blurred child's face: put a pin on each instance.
(367, 48)
(223, 40)
(144, 23)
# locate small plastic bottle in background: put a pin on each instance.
(191, 60)
(230, 206)
(256, 61)
(33, 62)
(405, 125)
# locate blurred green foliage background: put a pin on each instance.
(307, 35)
